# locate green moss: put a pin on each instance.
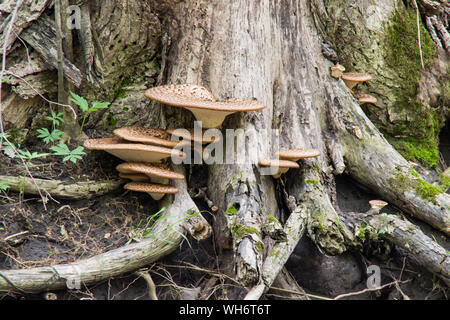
(424, 150)
(272, 219)
(239, 231)
(427, 191)
(312, 181)
(444, 182)
(414, 172)
(259, 246)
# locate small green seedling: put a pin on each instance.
(48, 136)
(85, 108)
(6, 79)
(63, 150)
(55, 118)
(4, 186)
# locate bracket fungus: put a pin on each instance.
(190, 135)
(337, 70)
(157, 173)
(376, 206)
(351, 79)
(139, 177)
(278, 167)
(296, 154)
(365, 98)
(156, 191)
(154, 136)
(132, 152)
(201, 102)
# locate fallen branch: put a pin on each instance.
(58, 188)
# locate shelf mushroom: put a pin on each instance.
(278, 166)
(139, 177)
(189, 135)
(132, 152)
(351, 79)
(153, 136)
(365, 98)
(156, 191)
(296, 154)
(201, 102)
(337, 70)
(157, 172)
(376, 206)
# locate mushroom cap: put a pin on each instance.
(337, 70)
(146, 135)
(132, 152)
(151, 188)
(190, 135)
(299, 153)
(356, 77)
(378, 203)
(278, 163)
(201, 102)
(366, 98)
(157, 170)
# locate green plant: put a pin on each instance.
(4, 185)
(55, 118)
(85, 108)
(63, 150)
(5, 79)
(48, 136)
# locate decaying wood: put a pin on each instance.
(406, 235)
(41, 35)
(30, 10)
(166, 236)
(58, 188)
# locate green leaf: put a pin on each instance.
(4, 185)
(63, 150)
(98, 105)
(55, 118)
(79, 101)
(5, 79)
(60, 150)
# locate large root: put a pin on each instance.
(178, 218)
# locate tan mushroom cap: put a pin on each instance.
(351, 79)
(337, 71)
(201, 102)
(156, 191)
(377, 204)
(132, 152)
(365, 98)
(152, 170)
(296, 154)
(280, 166)
(190, 135)
(146, 135)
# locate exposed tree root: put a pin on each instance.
(166, 235)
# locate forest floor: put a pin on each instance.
(67, 230)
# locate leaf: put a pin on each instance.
(4, 185)
(60, 150)
(6, 79)
(63, 150)
(98, 105)
(79, 101)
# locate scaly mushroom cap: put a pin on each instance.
(201, 102)
(281, 166)
(365, 98)
(132, 152)
(154, 170)
(146, 135)
(296, 154)
(377, 204)
(188, 134)
(351, 79)
(156, 191)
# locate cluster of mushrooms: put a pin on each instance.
(145, 150)
(351, 79)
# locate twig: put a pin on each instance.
(418, 33)
(344, 295)
(151, 284)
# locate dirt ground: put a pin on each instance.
(69, 230)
